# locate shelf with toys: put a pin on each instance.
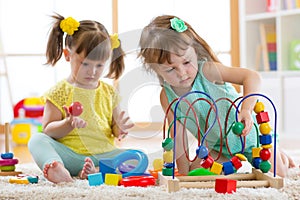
(270, 44)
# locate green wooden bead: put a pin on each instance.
(168, 144)
(265, 166)
(167, 171)
(237, 128)
(200, 172)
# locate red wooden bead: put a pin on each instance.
(265, 154)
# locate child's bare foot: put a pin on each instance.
(57, 173)
(88, 168)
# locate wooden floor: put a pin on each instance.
(150, 144)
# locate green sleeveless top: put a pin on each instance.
(201, 107)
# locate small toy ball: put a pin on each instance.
(237, 128)
(76, 108)
(259, 107)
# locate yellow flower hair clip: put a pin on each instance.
(69, 25)
(114, 39)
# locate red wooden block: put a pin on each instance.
(223, 185)
(207, 163)
(262, 117)
(236, 162)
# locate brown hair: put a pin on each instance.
(91, 38)
(158, 40)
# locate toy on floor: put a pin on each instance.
(7, 161)
(24, 179)
(112, 165)
(261, 154)
(27, 119)
(115, 171)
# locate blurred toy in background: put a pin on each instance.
(27, 119)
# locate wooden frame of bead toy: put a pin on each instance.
(260, 176)
(7, 161)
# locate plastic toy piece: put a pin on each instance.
(113, 179)
(158, 164)
(200, 172)
(110, 165)
(7, 155)
(142, 181)
(19, 180)
(76, 108)
(9, 162)
(95, 179)
(225, 186)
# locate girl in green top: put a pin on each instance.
(184, 62)
(72, 145)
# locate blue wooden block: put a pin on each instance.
(228, 168)
(265, 139)
(95, 179)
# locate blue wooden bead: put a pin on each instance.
(168, 165)
(265, 139)
(256, 162)
(202, 152)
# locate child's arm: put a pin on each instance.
(55, 126)
(182, 162)
(249, 79)
(121, 124)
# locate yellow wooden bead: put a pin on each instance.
(158, 164)
(259, 107)
(265, 128)
(168, 156)
(266, 146)
(241, 157)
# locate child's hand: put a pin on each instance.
(246, 118)
(121, 126)
(76, 122)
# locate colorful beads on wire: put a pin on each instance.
(261, 155)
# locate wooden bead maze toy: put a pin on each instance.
(7, 162)
(211, 170)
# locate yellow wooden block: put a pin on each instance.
(168, 156)
(255, 152)
(216, 168)
(113, 179)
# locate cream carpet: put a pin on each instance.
(80, 189)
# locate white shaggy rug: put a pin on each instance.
(80, 189)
